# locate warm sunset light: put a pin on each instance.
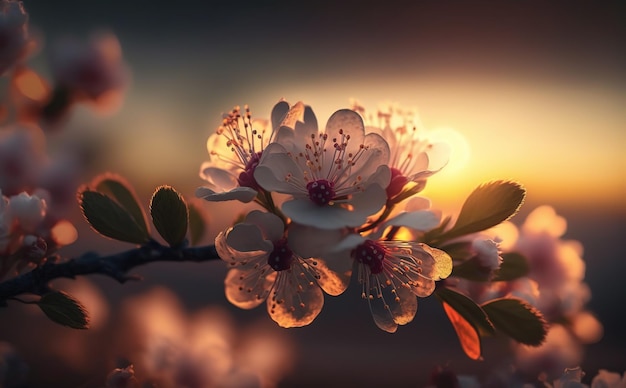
(31, 85)
(312, 194)
(64, 233)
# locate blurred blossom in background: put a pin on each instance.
(207, 349)
(529, 91)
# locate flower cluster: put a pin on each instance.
(566, 378)
(38, 190)
(171, 348)
(91, 72)
(20, 220)
(333, 203)
(553, 284)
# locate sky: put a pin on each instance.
(530, 91)
(535, 90)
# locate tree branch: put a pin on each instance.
(115, 266)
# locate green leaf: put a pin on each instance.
(64, 309)
(108, 218)
(471, 270)
(518, 320)
(513, 266)
(169, 214)
(467, 308)
(197, 224)
(432, 235)
(487, 206)
(117, 188)
(459, 251)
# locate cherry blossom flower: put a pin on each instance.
(487, 253)
(19, 215)
(264, 267)
(170, 347)
(553, 261)
(414, 157)
(91, 71)
(392, 273)
(22, 155)
(122, 378)
(336, 178)
(28, 210)
(607, 379)
(235, 150)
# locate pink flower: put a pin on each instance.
(391, 275)
(606, 379)
(22, 155)
(336, 178)
(28, 210)
(265, 268)
(91, 71)
(487, 253)
(553, 261)
(234, 151)
(414, 157)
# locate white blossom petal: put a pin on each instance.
(369, 201)
(347, 244)
(308, 241)
(277, 170)
(305, 212)
(295, 300)
(438, 156)
(404, 307)
(270, 224)
(245, 290)
(421, 220)
(337, 216)
(247, 238)
(241, 194)
(278, 114)
(418, 203)
(381, 176)
(334, 275)
(222, 180)
(443, 262)
(347, 120)
(382, 316)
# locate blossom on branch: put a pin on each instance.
(91, 71)
(336, 178)
(265, 268)
(234, 151)
(391, 272)
(414, 157)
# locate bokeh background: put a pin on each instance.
(529, 91)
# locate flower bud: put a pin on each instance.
(487, 253)
(34, 248)
(28, 210)
(122, 378)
